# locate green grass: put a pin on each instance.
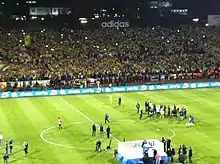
(25, 119)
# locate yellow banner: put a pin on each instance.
(3, 85)
(27, 40)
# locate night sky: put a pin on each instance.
(196, 4)
(192, 4)
(196, 7)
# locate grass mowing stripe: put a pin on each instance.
(77, 110)
(49, 108)
(203, 137)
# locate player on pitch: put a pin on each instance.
(60, 123)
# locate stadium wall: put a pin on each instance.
(150, 87)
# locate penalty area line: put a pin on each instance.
(85, 116)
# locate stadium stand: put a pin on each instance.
(78, 58)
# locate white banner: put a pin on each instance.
(55, 11)
(92, 80)
(26, 83)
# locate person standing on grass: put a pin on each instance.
(181, 158)
(164, 143)
(101, 129)
(184, 152)
(119, 101)
(180, 150)
(5, 158)
(191, 119)
(138, 107)
(98, 146)
(190, 155)
(93, 130)
(6, 147)
(173, 153)
(60, 123)
(11, 145)
(108, 130)
(25, 147)
(141, 114)
(106, 118)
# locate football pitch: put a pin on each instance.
(35, 120)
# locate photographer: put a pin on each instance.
(174, 112)
(182, 115)
(98, 146)
(190, 155)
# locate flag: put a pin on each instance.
(27, 40)
(4, 67)
(3, 85)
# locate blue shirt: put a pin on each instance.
(6, 146)
(101, 128)
(106, 116)
(5, 157)
(191, 118)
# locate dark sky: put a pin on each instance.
(197, 5)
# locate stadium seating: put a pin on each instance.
(69, 58)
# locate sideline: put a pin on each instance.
(89, 119)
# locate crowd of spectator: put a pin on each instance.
(110, 54)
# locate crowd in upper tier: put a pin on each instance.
(108, 53)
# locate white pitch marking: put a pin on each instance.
(174, 133)
(70, 105)
(66, 146)
(80, 122)
(61, 145)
